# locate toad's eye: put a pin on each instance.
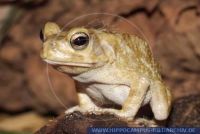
(79, 41)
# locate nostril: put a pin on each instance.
(41, 35)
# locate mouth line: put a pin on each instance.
(73, 64)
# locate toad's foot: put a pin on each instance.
(83, 110)
(142, 122)
(119, 113)
(86, 105)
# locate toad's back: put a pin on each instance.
(133, 52)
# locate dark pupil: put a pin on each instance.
(80, 41)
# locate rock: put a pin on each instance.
(185, 112)
(79, 123)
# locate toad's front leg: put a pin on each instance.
(85, 105)
(134, 100)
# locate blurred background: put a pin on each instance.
(27, 102)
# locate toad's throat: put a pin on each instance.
(72, 64)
